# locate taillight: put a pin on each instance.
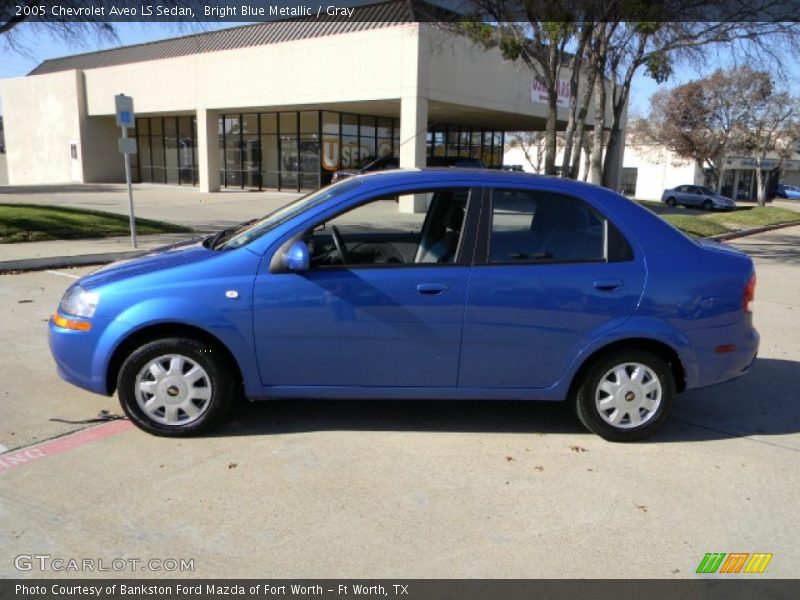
(749, 293)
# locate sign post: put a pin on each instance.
(123, 106)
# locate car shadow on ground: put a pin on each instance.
(780, 248)
(763, 403)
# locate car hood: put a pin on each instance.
(146, 262)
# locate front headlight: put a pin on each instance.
(79, 302)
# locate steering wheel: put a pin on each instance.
(340, 246)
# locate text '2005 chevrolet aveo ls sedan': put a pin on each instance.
(431, 284)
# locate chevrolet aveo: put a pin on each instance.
(497, 285)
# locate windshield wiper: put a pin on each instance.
(216, 241)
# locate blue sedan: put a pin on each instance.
(782, 190)
(494, 285)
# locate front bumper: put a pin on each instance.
(75, 355)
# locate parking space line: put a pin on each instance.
(25, 456)
(63, 274)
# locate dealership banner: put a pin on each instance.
(211, 11)
(406, 589)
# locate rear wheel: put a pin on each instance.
(671, 201)
(625, 396)
(175, 387)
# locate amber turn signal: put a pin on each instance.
(71, 324)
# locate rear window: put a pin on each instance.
(544, 227)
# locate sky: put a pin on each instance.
(40, 46)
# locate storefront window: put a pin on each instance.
(270, 165)
(171, 152)
(187, 150)
(350, 125)
(293, 150)
(384, 128)
(250, 124)
(309, 163)
(367, 126)
(269, 123)
(309, 122)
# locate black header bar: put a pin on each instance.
(487, 11)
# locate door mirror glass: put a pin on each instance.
(296, 257)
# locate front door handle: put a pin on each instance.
(431, 289)
(608, 285)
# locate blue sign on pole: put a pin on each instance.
(124, 108)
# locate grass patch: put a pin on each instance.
(696, 226)
(36, 223)
(758, 216)
(704, 224)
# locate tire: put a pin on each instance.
(176, 387)
(644, 401)
(671, 202)
(708, 205)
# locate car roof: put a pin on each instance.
(477, 177)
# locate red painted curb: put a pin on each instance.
(25, 456)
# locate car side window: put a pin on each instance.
(376, 233)
(528, 226)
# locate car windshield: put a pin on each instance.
(247, 232)
(708, 191)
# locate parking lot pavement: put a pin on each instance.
(408, 489)
(184, 205)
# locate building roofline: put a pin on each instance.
(375, 16)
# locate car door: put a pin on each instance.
(682, 195)
(387, 319)
(694, 195)
(551, 273)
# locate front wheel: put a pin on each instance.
(708, 205)
(625, 396)
(175, 387)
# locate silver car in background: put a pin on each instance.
(697, 196)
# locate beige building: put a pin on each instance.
(278, 105)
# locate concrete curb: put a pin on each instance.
(745, 232)
(60, 262)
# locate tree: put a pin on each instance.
(624, 38)
(59, 24)
(734, 111)
(539, 44)
(693, 120)
(531, 143)
(769, 125)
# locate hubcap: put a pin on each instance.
(628, 395)
(173, 390)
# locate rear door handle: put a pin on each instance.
(431, 289)
(608, 285)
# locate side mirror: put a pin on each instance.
(296, 257)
